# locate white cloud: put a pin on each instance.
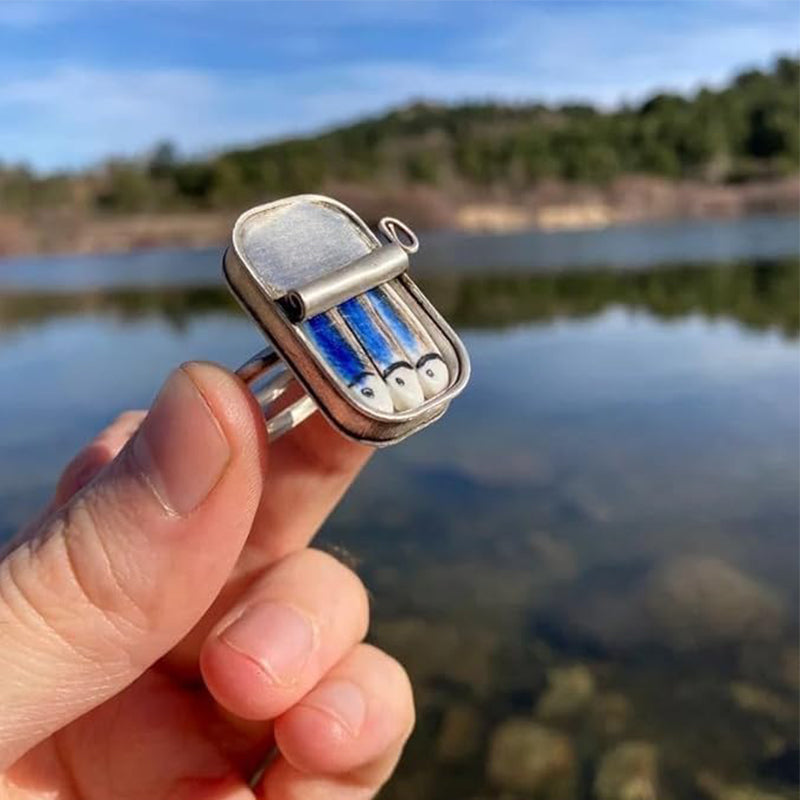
(76, 115)
(610, 53)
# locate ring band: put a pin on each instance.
(277, 378)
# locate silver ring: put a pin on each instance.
(344, 316)
(267, 368)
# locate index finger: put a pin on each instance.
(310, 470)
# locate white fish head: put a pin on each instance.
(370, 391)
(404, 388)
(433, 375)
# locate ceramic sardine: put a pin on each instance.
(385, 352)
(419, 347)
(347, 358)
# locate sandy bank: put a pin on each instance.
(547, 206)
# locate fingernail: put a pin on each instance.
(341, 699)
(279, 638)
(180, 446)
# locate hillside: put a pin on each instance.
(479, 165)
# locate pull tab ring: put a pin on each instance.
(392, 228)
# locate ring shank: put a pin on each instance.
(268, 361)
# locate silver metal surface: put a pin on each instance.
(391, 228)
(277, 378)
(258, 364)
(294, 241)
(359, 276)
(274, 387)
(290, 417)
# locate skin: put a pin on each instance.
(144, 645)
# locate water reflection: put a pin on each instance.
(589, 565)
(760, 294)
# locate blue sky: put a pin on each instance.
(86, 80)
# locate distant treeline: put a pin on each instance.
(758, 295)
(747, 130)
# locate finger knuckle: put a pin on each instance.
(104, 576)
(67, 583)
(352, 589)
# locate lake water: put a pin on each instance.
(589, 566)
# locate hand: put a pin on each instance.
(164, 625)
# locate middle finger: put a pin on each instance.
(290, 628)
(309, 471)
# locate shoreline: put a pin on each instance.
(546, 207)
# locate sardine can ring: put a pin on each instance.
(344, 321)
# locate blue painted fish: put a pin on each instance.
(419, 347)
(385, 352)
(347, 359)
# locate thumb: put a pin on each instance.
(110, 582)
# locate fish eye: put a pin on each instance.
(399, 381)
(367, 392)
(429, 372)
